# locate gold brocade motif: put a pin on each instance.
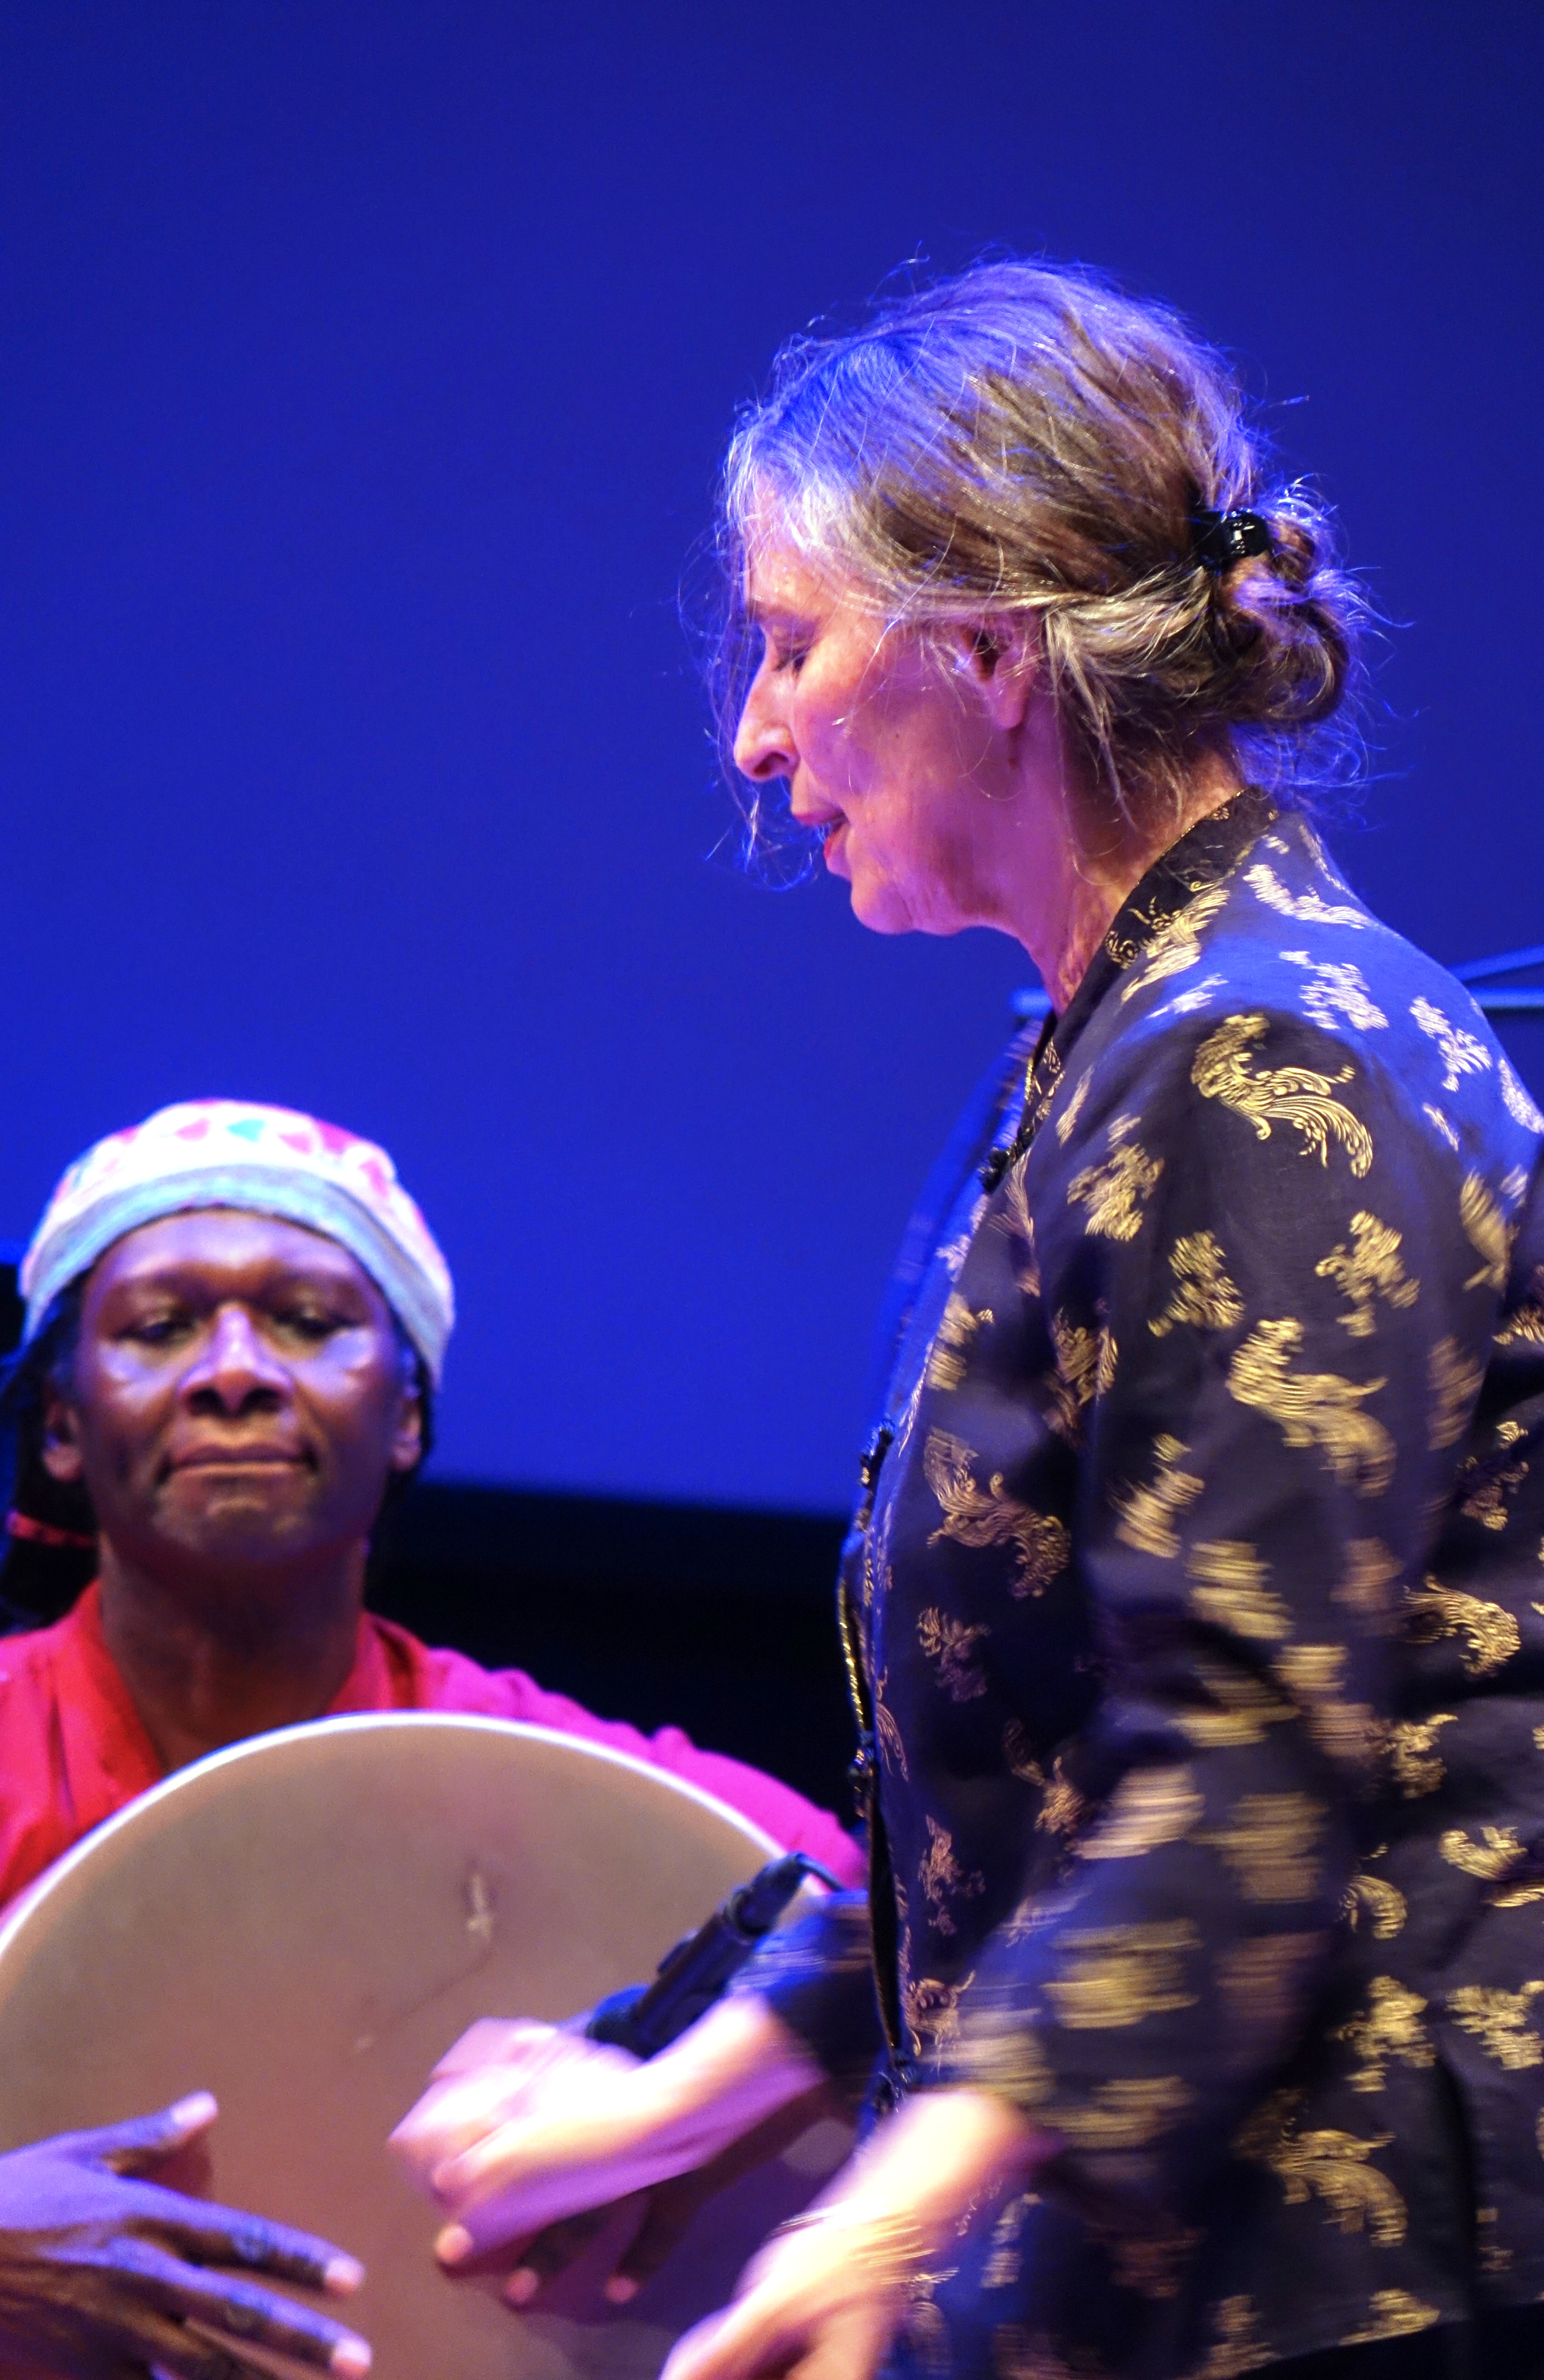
(1500, 2023)
(1149, 1807)
(1204, 1295)
(1389, 2027)
(989, 1516)
(1491, 1858)
(943, 1879)
(1147, 1514)
(1490, 1635)
(1368, 1270)
(1391, 2313)
(1063, 1806)
(1085, 1370)
(1519, 1107)
(1461, 1053)
(1238, 2347)
(1517, 1896)
(951, 1643)
(1123, 2114)
(947, 1357)
(1239, 1708)
(1372, 1574)
(1271, 1845)
(1414, 1763)
(1306, 908)
(1072, 1111)
(1017, 1753)
(932, 2012)
(1329, 2164)
(1524, 1328)
(1439, 1120)
(1014, 1216)
(1174, 947)
(1116, 1192)
(1118, 1975)
(1005, 2261)
(1383, 1902)
(1261, 1981)
(1006, 2056)
(1491, 1481)
(1228, 1589)
(1493, 2257)
(1296, 1095)
(1191, 1002)
(887, 1728)
(1487, 1231)
(1313, 1408)
(1338, 990)
(1312, 1674)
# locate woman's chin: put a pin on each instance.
(877, 903)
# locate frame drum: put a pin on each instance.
(305, 1923)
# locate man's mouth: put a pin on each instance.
(237, 1458)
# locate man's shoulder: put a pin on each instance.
(30, 1658)
(437, 1678)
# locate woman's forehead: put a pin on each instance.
(230, 1243)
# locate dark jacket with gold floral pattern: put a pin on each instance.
(1196, 1606)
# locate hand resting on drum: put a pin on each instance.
(104, 2272)
(525, 2128)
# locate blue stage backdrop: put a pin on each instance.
(366, 367)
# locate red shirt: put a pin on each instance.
(73, 1748)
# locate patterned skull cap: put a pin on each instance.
(267, 1161)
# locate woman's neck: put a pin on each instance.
(1065, 911)
(208, 1659)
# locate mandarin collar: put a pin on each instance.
(1210, 851)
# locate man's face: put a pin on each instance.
(239, 1394)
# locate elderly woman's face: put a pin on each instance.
(887, 751)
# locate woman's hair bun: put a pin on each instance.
(1283, 628)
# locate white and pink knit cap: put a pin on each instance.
(268, 1162)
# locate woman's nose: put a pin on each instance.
(762, 744)
(235, 1367)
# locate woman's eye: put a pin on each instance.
(783, 656)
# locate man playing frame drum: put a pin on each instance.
(237, 1319)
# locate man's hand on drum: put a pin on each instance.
(529, 2136)
(107, 2275)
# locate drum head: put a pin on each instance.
(305, 1923)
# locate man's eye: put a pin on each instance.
(307, 1323)
(156, 1329)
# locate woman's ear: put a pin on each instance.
(1001, 655)
(60, 1451)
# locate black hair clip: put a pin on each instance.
(1222, 539)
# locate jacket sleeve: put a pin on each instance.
(817, 1975)
(1296, 1321)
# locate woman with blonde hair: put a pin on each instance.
(1192, 1603)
